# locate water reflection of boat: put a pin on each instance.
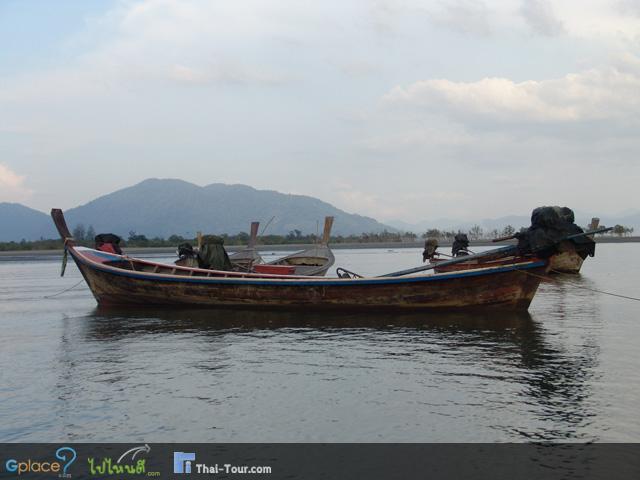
(114, 320)
(515, 361)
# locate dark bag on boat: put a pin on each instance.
(212, 254)
(108, 242)
(460, 245)
(549, 226)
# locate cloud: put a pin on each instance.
(12, 187)
(229, 73)
(598, 94)
(631, 7)
(464, 16)
(540, 17)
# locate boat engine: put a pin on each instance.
(460, 245)
(430, 247)
(187, 256)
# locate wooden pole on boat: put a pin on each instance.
(254, 234)
(583, 234)
(328, 223)
(199, 238)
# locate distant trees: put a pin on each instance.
(508, 231)
(476, 232)
(79, 233)
(84, 235)
(91, 234)
(138, 240)
(621, 230)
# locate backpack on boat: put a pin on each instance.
(212, 254)
(108, 242)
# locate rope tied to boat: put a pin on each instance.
(550, 279)
(65, 290)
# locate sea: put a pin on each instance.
(566, 371)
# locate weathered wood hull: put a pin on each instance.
(567, 260)
(471, 264)
(122, 280)
(507, 288)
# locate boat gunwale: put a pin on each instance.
(291, 280)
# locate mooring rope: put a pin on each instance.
(579, 286)
(64, 291)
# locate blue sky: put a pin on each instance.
(403, 110)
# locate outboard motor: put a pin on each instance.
(460, 245)
(187, 256)
(108, 242)
(430, 247)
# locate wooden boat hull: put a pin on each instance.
(504, 287)
(567, 260)
(472, 264)
(122, 280)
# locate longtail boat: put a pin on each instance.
(315, 261)
(121, 280)
(246, 258)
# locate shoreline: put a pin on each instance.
(14, 255)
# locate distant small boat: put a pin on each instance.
(121, 280)
(315, 261)
(248, 257)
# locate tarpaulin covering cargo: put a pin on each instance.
(549, 226)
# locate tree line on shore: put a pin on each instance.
(85, 236)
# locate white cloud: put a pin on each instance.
(12, 186)
(596, 94)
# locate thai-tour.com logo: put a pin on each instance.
(184, 462)
(126, 464)
(59, 466)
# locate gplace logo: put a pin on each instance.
(66, 455)
(182, 462)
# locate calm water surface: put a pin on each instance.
(567, 371)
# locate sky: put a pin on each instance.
(399, 110)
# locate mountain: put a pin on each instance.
(162, 208)
(18, 222)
